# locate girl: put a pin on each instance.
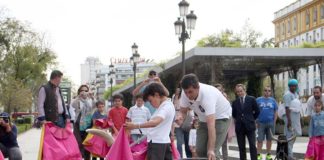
(192, 138)
(316, 134)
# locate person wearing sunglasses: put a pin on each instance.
(266, 121)
(214, 112)
(83, 107)
(152, 78)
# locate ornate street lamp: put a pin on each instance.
(134, 60)
(112, 76)
(180, 28)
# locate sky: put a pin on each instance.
(77, 29)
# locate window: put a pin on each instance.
(314, 68)
(288, 26)
(314, 14)
(295, 23)
(322, 11)
(322, 34)
(307, 17)
(278, 30)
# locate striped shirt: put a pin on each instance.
(138, 115)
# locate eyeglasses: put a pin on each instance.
(267, 90)
(153, 74)
(83, 90)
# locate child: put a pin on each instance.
(316, 134)
(138, 114)
(192, 138)
(99, 113)
(118, 113)
(316, 127)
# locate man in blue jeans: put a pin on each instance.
(266, 121)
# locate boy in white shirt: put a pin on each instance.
(138, 114)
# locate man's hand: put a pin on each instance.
(211, 155)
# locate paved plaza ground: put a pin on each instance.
(29, 144)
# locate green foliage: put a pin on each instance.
(248, 38)
(24, 59)
(225, 39)
(312, 45)
(128, 81)
(23, 127)
(254, 85)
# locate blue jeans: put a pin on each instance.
(183, 138)
(264, 131)
(135, 137)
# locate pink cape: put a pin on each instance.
(96, 145)
(60, 143)
(120, 150)
(1, 156)
(315, 148)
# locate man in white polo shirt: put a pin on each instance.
(213, 110)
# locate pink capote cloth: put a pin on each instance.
(315, 148)
(175, 152)
(139, 151)
(60, 143)
(97, 146)
(1, 156)
(120, 150)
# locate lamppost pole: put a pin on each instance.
(184, 36)
(134, 68)
(111, 74)
(181, 28)
(134, 59)
(111, 90)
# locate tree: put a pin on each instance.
(24, 60)
(226, 38)
(15, 96)
(250, 36)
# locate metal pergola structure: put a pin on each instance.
(231, 64)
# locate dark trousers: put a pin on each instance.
(80, 136)
(159, 151)
(183, 138)
(240, 134)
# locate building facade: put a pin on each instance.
(295, 24)
(299, 22)
(123, 71)
(89, 69)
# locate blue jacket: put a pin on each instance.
(245, 115)
(316, 126)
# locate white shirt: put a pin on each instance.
(160, 133)
(192, 137)
(138, 115)
(209, 101)
(311, 103)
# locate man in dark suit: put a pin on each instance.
(245, 111)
